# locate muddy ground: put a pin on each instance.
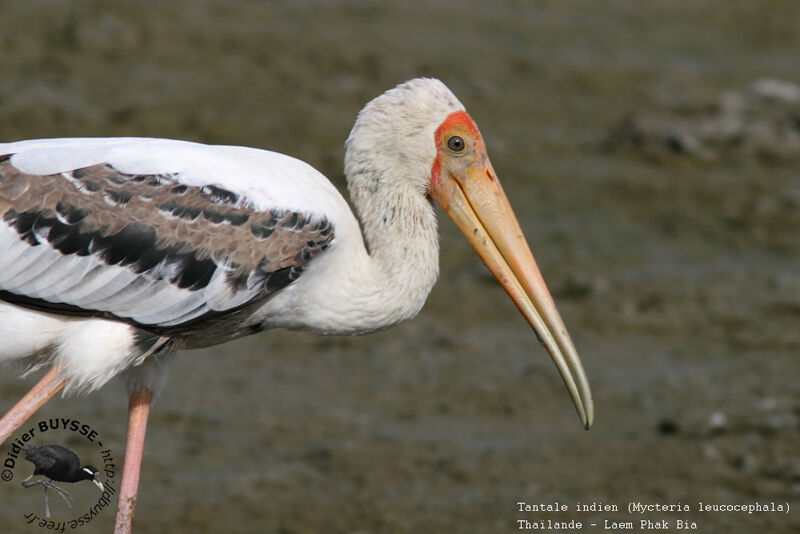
(677, 275)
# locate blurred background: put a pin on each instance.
(651, 152)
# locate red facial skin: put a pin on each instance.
(457, 123)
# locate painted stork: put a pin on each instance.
(115, 253)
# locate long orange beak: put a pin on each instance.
(468, 190)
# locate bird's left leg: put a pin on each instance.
(46, 484)
(138, 411)
(61, 491)
(43, 391)
(41, 482)
(26, 484)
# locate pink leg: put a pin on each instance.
(43, 391)
(138, 410)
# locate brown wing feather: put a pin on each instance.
(161, 231)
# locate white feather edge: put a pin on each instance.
(89, 283)
(269, 180)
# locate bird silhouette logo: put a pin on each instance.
(57, 464)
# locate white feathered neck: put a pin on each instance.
(388, 161)
(389, 156)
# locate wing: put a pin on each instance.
(47, 456)
(155, 249)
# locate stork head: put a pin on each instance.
(418, 140)
(393, 136)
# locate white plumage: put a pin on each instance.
(345, 290)
(114, 253)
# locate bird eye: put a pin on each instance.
(456, 144)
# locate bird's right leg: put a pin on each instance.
(46, 504)
(138, 411)
(43, 391)
(61, 491)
